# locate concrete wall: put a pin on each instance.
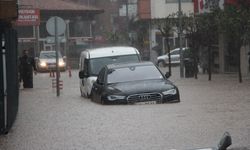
(161, 9)
(144, 9)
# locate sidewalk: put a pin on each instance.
(215, 77)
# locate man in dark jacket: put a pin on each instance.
(26, 66)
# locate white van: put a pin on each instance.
(92, 61)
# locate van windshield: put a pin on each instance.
(96, 64)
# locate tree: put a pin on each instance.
(235, 25)
(166, 27)
(207, 24)
(201, 31)
(190, 26)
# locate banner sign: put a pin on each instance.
(205, 6)
(28, 17)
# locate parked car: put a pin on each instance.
(47, 61)
(92, 61)
(133, 83)
(175, 57)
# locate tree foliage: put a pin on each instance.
(235, 25)
(167, 27)
(202, 32)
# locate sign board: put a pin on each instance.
(28, 17)
(61, 26)
(205, 6)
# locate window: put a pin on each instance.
(86, 66)
(177, 52)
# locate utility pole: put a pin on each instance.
(180, 41)
(57, 59)
(127, 19)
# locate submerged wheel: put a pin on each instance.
(89, 95)
(82, 95)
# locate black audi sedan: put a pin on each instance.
(133, 83)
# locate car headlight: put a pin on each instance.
(170, 92)
(115, 97)
(61, 63)
(43, 64)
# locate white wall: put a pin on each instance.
(161, 9)
(153, 37)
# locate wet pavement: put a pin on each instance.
(70, 122)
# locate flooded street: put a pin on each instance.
(206, 111)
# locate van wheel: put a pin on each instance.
(82, 95)
(89, 95)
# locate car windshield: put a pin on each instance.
(133, 73)
(48, 55)
(96, 64)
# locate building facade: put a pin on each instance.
(78, 32)
(226, 57)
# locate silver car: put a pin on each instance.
(175, 57)
(47, 61)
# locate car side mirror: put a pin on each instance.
(225, 141)
(82, 75)
(98, 82)
(167, 75)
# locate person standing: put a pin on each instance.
(26, 67)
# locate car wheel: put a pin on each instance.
(89, 95)
(162, 63)
(102, 102)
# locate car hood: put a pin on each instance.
(135, 87)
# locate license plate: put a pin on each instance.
(147, 102)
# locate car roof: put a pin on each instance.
(125, 65)
(110, 51)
